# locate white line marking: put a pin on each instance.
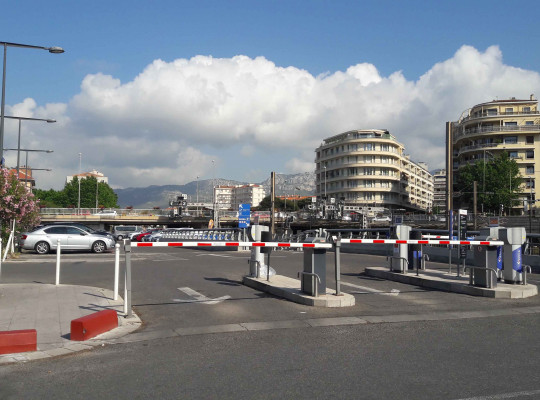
(393, 292)
(504, 395)
(199, 298)
(214, 255)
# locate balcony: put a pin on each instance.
(490, 129)
(491, 114)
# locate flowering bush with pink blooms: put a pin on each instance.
(16, 203)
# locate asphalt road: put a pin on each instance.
(445, 359)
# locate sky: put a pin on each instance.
(162, 92)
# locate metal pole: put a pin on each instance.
(272, 200)
(337, 254)
(0, 259)
(79, 179)
(2, 108)
(116, 269)
(127, 290)
(19, 151)
(58, 251)
(475, 204)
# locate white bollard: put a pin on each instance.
(58, 250)
(0, 259)
(116, 269)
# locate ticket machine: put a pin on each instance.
(513, 239)
(493, 233)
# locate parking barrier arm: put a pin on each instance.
(312, 275)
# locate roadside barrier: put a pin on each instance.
(233, 244)
(427, 241)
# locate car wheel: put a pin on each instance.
(99, 247)
(119, 237)
(42, 247)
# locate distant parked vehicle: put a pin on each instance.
(106, 213)
(384, 218)
(140, 236)
(46, 238)
(123, 231)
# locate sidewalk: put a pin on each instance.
(49, 309)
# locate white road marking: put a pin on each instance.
(214, 255)
(393, 292)
(199, 298)
(505, 395)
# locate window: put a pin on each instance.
(385, 147)
(529, 154)
(513, 154)
(529, 139)
(70, 230)
(510, 140)
(369, 159)
(368, 183)
(56, 230)
(526, 109)
(385, 196)
(368, 196)
(509, 110)
(510, 123)
(529, 169)
(385, 171)
(530, 184)
(369, 171)
(368, 146)
(491, 111)
(529, 122)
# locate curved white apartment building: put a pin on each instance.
(368, 168)
(487, 129)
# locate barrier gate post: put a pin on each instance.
(127, 279)
(337, 254)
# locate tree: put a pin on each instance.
(16, 204)
(498, 183)
(69, 196)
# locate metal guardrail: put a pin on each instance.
(474, 268)
(316, 294)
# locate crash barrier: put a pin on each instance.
(94, 324)
(18, 341)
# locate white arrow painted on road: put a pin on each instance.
(199, 298)
(393, 292)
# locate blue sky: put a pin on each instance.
(120, 39)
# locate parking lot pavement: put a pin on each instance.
(190, 290)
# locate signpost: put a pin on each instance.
(244, 215)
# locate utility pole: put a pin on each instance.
(475, 184)
(272, 199)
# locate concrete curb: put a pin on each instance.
(435, 279)
(289, 288)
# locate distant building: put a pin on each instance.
(488, 129)
(369, 168)
(25, 175)
(439, 190)
(230, 197)
(96, 174)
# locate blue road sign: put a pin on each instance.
(244, 215)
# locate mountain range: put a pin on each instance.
(158, 196)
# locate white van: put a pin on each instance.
(123, 231)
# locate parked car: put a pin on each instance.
(106, 213)
(123, 231)
(384, 218)
(45, 239)
(140, 236)
(81, 226)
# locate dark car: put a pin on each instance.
(140, 236)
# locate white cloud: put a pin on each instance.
(166, 125)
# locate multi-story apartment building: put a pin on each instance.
(369, 168)
(489, 128)
(96, 174)
(439, 190)
(230, 197)
(248, 194)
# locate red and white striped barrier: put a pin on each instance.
(233, 244)
(429, 241)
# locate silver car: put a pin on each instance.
(45, 239)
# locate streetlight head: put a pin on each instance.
(55, 50)
(50, 121)
(49, 151)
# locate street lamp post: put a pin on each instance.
(197, 195)
(19, 136)
(26, 165)
(53, 50)
(79, 179)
